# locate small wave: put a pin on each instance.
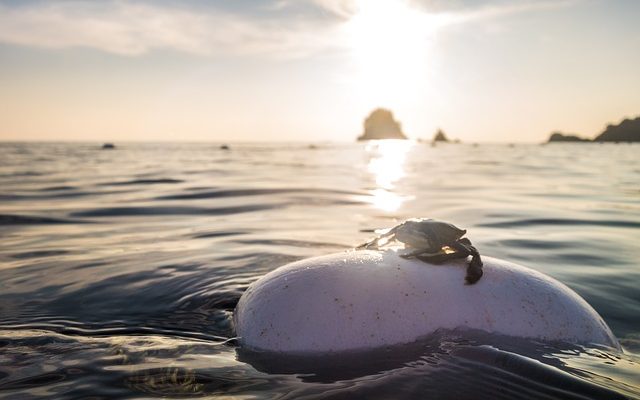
(46, 378)
(23, 173)
(38, 254)
(484, 162)
(251, 192)
(150, 211)
(74, 328)
(63, 195)
(530, 376)
(294, 243)
(204, 235)
(560, 221)
(57, 188)
(533, 244)
(142, 182)
(10, 219)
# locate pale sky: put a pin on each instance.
(311, 70)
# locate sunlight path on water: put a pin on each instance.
(387, 165)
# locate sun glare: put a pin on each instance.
(387, 167)
(390, 43)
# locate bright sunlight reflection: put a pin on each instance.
(390, 40)
(387, 166)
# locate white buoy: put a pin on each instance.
(360, 300)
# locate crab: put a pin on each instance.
(433, 242)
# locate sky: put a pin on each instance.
(312, 70)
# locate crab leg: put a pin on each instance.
(375, 243)
(474, 270)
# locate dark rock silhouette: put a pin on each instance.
(380, 124)
(108, 146)
(626, 131)
(561, 137)
(440, 137)
(225, 147)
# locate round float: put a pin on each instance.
(360, 300)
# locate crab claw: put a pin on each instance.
(474, 271)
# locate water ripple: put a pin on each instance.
(8, 219)
(177, 210)
(120, 271)
(525, 222)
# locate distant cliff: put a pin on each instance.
(561, 137)
(380, 124)
(626, 131)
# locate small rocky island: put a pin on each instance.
(626, 131)
(380, 124)
(562, 137)
(440, 137)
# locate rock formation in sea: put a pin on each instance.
(380, 124)
(440, 137)
(561, 137)
(626, 131)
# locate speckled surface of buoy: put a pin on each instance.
(359, 300)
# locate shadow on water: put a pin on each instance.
(445, 365)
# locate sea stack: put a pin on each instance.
(440, 137)
(380, 124)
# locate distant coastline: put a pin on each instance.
(626, 131)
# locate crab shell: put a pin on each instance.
(427, 233)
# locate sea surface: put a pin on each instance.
(120, 269)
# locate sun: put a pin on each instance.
(390, 41)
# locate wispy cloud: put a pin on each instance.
(495, 9)
(134, 28)
(128, 28)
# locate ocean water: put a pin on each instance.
(120, 269)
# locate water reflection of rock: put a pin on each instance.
(380, 124)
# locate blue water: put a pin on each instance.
(120, 269)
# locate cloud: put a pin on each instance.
(286, 28)
(128, 28)
(342, 8)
